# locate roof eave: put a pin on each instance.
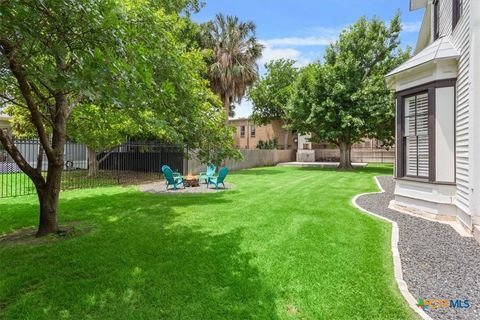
(424, 35)
(417, 4)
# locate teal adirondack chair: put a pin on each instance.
(172, 178)
(175, 174)
(210, 173)
(222, 174)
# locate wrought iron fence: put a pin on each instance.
(130, 163)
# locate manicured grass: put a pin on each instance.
(284, 244)
(12, 184)
(19, 184)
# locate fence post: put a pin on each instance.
(185, 161)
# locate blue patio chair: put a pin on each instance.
(222, 174)
(172, 178)
(175, 174)
(210, 173)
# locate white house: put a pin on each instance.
(438, 115)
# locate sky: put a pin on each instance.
(301, 29)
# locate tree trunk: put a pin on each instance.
(49, 192)
(92, 163)
(226, 107)
(345, 156)
(48, 198)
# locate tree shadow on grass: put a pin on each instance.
(258, 172)
(378, 170)
(136, 263)
(15, 215)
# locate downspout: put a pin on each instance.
(475, 110)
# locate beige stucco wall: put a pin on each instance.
(265, 133)
(252, 159)
(358, 155)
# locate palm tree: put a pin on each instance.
(233, 67)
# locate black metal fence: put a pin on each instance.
(130, 163)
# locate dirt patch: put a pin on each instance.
(27, 236)
(292, 310)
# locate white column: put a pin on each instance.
(304, 151)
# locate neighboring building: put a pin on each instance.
(4, 121)
(438, 115)
(4, 124)
(248, 135)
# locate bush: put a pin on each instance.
(268, 145)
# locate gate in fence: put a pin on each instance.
(130, 163)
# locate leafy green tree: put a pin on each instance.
(233, 63)
(271, 94)
(101, 129)
(345, 99)
(57, 57)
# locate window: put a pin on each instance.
(457, 12)
(436, 19)
(252, 131)
(242, 131)
(416, 135)
(425, 136)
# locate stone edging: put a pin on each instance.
(397, 264)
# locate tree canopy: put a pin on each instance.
(137, 58)
(270, 95)
(345, 99)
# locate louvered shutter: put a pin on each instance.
(416, 139)
(422, 134)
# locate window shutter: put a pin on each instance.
(436, 20)
(411, 148)
(423, 168)
(416, 136)
(457, 12)
(422, 114)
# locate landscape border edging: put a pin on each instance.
(397, 263)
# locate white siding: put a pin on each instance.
(446, 13)
(461, 40)
(445, 134)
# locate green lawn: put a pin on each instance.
(284, 244)
(15, 184)
(19, 184)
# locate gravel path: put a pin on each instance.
(437, 262)
(159, 187)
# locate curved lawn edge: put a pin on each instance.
(397, 263)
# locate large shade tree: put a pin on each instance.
(345, 99)
(59, 56)
(233, 63)
(271, 94)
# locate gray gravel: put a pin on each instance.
(159, 187)
(437, 262)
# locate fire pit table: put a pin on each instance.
(191, 181)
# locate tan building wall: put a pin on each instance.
(247, 134)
